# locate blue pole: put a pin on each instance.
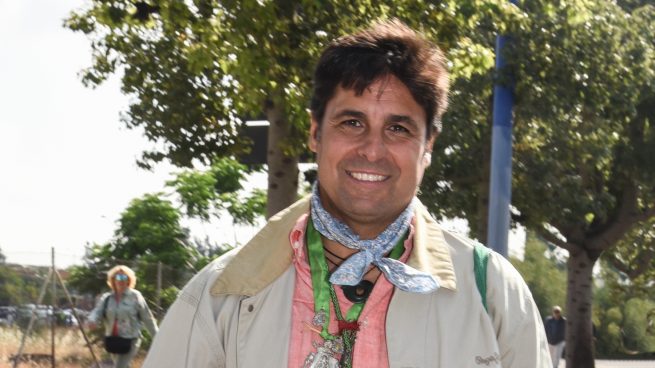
(500, 181)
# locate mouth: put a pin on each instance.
(361, 176)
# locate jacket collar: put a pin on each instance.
(268, 254)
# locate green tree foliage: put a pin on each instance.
(586, 121)
(149, 232)
(626, 330)
(634, 260)
(609, 341)
(544, 274)
(636, 322)
(582, 137)
(149, 229)
(91, 276)
(150, 238)
(205, 194)
(11, 286)
(20, 285)
(624, 313)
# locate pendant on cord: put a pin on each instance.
(358, 293)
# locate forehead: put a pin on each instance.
(384, 96)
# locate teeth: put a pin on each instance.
(367, 177)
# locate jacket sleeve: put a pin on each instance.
(515, 316)
(188, 336)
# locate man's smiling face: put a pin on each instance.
(370, 151)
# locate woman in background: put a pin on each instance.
(124, 312)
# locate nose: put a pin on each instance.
(373, 147)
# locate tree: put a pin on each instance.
(205, 194)
(635, 325)
(150, 237)
(582, 137)
(19, 284)
(625, 310)
(149, 232)
(149, 229)
(610, 334)
(10, 286)
(196, 69)
(634, 257)
(589, 161)
(624, 317)
(209, 194)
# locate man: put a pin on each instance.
(359, 274)
(556, 334)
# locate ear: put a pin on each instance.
(427, 155)
(430, 142)
(427, 158)
(313, 135)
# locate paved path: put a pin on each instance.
(620, 364)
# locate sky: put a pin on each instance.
(67, 163)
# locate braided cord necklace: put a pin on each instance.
(324, 294)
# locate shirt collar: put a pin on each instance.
(268, 254)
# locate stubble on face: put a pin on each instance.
(370, 151)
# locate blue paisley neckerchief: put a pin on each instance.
(352, 270)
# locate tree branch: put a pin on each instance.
(636, 267)
(552, 238)
(627, 216)
(618, 264)
(572, 233)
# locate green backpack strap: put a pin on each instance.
(480, 260)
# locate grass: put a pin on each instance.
(70, 349)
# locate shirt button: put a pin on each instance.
(250, 308)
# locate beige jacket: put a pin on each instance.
(237, 311)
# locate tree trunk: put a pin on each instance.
(282, 169)
(579, 338)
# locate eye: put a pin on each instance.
(397, 128)
(352, 123)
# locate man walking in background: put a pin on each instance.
(556, 334)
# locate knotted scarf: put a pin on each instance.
(372, 251)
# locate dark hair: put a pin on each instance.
(386, 48)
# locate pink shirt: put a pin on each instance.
(371, 343)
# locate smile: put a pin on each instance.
(367, 177)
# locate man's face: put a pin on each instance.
(370, 151)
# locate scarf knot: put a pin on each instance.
(372, 251)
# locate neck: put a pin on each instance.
(339, 250)
(365, 228)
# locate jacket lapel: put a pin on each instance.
(268, 254)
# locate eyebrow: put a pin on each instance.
(350, 113)
(360, 115)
